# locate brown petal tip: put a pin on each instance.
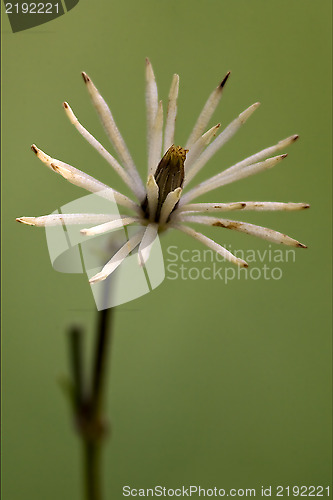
(224, 81)
(85, 77)
(25, 220)
(34, 149)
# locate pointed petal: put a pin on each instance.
(117, 259)
(138, 190)
(244, 227)
(197, 149)
(151, 101)
(74, 175)
(147, 243)
(221, 139)
(222, 179)
(211, 207)
(81, 179)
(242, 205)
(64, 219)
(211, 244)
(229, 177)
(152, 196)
(53, 163)
(112, 129)
(206, 113)
(265, 153)
(43, 157)
(155, 146)
(272, 205)
(169, 133)
(109, 226)
(169, 204)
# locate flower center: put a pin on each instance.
(169, 176)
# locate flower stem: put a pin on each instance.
(92, 470)
(100, 362)
(89, 401)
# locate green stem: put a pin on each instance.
(92, 470)
(100, 362)
(89, 404)
(76, 357)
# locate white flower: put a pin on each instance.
(160, 203)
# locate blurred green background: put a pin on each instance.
(212, 384)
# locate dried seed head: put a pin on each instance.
(169, 176)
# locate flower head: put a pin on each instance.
(160, 204)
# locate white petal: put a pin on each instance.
(151, 101)
(137, 189)
(147, 243)
(211, 244)
(112, 129)
(53, 164)
(109, 226)
(206, 113)
(244, 227)
(169, 204)
(197, 149)
(117, 259)
(155, 146)
(81, 179)
(242, 205)
(85, 181)
(228, 177)
(211, 207)
(46, 159)
(272, 205)
(170, 123)
(61, 219)
(265, 153)
(222, 179)
(221, 139)
(152, 196)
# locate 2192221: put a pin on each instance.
(302, 491)
(32, 8)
